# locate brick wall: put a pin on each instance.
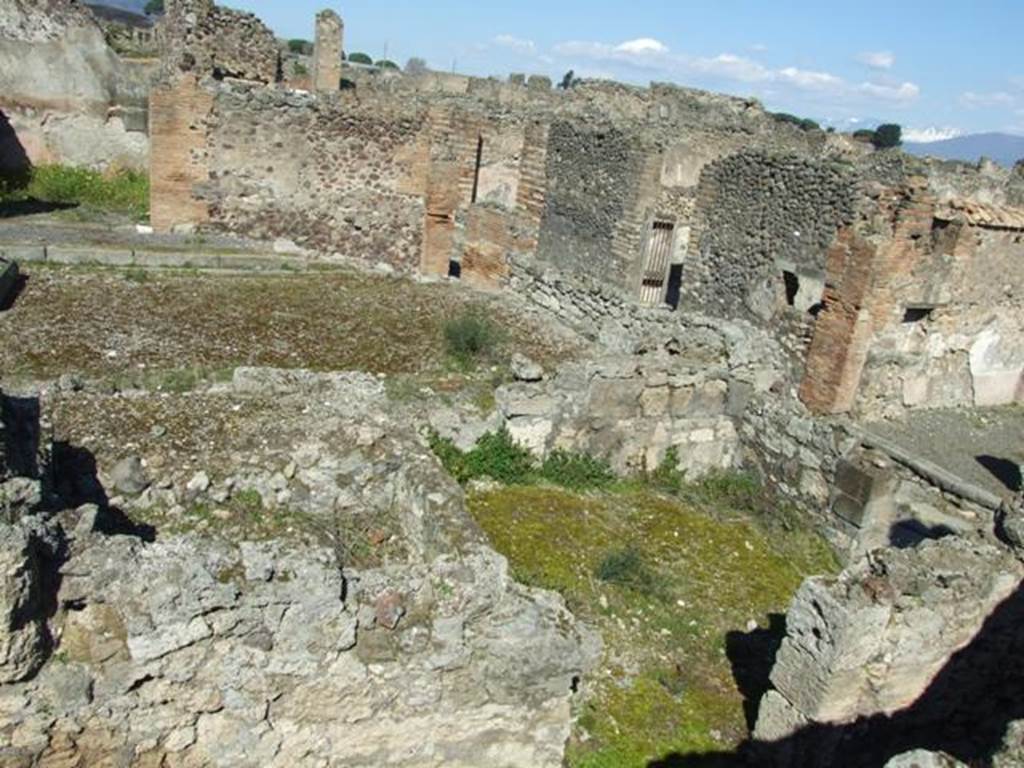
(177, 162)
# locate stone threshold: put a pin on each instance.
(938, 476)
(86, 255)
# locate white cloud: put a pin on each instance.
(890, 92)
(928, 135)
(642, 46)
(973, 100)
(652, 54)
(730, 66)
(803, 78)
(515, 43)
(877, 59)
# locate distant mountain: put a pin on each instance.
(1006, 149)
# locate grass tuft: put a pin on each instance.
(472, 338)
(626, 568)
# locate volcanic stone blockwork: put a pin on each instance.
(204, 39)
(592, 177)
(336, 178)
(763, 213)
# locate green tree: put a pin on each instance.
(154, 7)
(888, 136)
(360, 58)
(299, 46)
(416, 66)
(387, 64)
(569, 81)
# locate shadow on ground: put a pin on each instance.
(1005, 471)
(964, 712)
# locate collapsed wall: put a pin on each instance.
(65, 96)
(213, 649)
(906, 649)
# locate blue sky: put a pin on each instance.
(934, 65)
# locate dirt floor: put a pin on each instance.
(158, 328)
(984, 446)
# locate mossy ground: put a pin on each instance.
(665, 684)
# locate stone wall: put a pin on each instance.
(631, 411)
(203, 39)
(65, 96)
(922, 308)
(574, 177)
(335, 179)
(761, 215)
(592, 172)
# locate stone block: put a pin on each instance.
(654, 401)
(857, 485)
(23, 253)
(531, 433)
(615, 398)
(108, 257)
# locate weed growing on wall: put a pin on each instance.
(576, 471)
(498, 457)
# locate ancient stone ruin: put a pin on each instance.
(748, 295)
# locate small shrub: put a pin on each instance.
(803, 123)
(501, 458)
(496, 456)
(737, 490)
(626, 568)
(576, 471)
(299, 69)
(136, 275)
(452, 459)
(471, 337)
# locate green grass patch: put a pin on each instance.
(665, 579)
(120, 191)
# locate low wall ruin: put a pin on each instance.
(906, 649)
